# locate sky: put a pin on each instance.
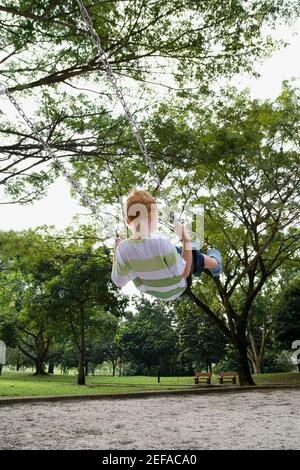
(58, 208)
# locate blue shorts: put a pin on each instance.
(198, 261)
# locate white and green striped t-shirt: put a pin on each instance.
(153, 265)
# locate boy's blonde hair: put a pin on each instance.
(138, 196)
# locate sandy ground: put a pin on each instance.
(255, 420)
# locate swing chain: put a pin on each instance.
(48, 149)
(131, 119)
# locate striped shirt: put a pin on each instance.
(153, 265)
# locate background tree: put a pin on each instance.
(260, 329)
(17, 361)
(149, 337)
(68, 359)
(24, 320)
(83, 297)
(251, 153)
(95, 354)
(199, 338)
(288, 318)
(253, 217)
(47, 52)
(49, 283)
(112, 352)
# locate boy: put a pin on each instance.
(151, 261)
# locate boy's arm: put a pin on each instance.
(186, 254)
(117, 241)
(119, 278)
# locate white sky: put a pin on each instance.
(58, 208)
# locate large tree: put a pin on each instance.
(26, 263)
(141, 37)
(200, 341)
(248, 185)
(252, 207)
(149, 337)
(46, 54)
(49, 282)
(82, 297)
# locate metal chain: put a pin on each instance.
(36, 133)
(131, 119)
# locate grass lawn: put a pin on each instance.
(282, 378)
(25, 384)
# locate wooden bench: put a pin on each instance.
(202, 375)
(228, 376)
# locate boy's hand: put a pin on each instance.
(182, 232)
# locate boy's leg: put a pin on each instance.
(198, 263)
(210, 263)
(215, 257)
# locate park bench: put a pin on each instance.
(228, 376)
(202, 375)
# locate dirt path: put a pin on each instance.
(255, 420)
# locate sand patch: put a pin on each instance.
(256, 420)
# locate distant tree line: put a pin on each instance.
(58, 313)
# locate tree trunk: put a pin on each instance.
(1, 368)
(81, 371)
(245, 377)
(39, 367)
(18, 362)
(86, 368)
(42, 347)
(298, 366)
(256, 364)
(81, 366)
(50, 368)
(256, 354)
(182, 365)
(236, 332)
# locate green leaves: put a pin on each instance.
(287, 308)
(46, 47)
(149, 336)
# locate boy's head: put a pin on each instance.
(141, 211)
